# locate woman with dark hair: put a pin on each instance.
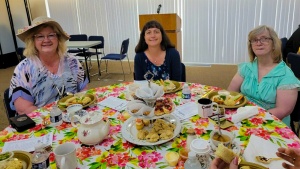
(156, 53)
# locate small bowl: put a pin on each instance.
(6, 156)
(227, 135)
(172, 158)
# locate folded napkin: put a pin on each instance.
(153, 92)
(244, 113)
(258, 146)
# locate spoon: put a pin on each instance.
(266, 160)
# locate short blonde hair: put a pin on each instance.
(277, 55)
(30, 49)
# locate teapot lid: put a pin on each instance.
(91, 118)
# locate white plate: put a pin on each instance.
(66, 118)
(129, 131)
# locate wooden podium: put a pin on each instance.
(171, 24)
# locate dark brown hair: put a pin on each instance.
(142, 45)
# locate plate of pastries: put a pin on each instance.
(228, 99)
(162, 107)
(169, 86)
(16, 160)
(151, 132)
(84, 99)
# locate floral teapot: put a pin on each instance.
(92, 129)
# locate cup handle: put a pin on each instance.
(72, 120)
(216, 104)
(63, 162)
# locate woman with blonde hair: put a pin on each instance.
(47, 72)
(266, 80)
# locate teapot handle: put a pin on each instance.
(72, 120)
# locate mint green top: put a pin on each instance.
(263, 93)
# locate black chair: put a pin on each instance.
(118, 56)
(283, 43)
(183, 75)
(9, 112)
(99, 50)
(79, 37)
(294, 60)
(19, 52)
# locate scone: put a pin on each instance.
(225, 153)
(142, 134)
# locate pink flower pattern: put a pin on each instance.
(148, 160)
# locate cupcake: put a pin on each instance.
(139, 124)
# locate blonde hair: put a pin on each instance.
(277, 55)
(31, 51)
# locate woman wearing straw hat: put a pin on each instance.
(48, 72)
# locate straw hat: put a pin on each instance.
(23, 33)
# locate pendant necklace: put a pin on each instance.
(61, 92)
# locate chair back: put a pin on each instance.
(9, 112)
(283, 43)
(183, 77)
(78, 37)
(294, 60)
(97, 38)
(20, 51)
(124, 47)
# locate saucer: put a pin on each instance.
(66, 117)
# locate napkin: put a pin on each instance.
(153, 92)
(258, 146)
(114, 103)
(244, 113)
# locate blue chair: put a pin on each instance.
(99, 50)
(294, 60)
(118, 56)
(9, 112)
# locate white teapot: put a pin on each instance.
(92, 129)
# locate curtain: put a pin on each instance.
(213, 31)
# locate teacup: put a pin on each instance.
(74, 109)
(205, 107)
(172, 158)
(226, 138)
(65, 156)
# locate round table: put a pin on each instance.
(115, 152)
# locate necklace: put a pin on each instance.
(61, 92)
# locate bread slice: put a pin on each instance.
(225, 153)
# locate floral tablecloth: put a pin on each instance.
(116, 152)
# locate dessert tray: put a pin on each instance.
(130, 132)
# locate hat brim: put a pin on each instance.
(23, 33)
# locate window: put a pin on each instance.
(213, 31)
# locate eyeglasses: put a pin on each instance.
(263, 40)
(50, 36)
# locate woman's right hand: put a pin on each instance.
(294, 158)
